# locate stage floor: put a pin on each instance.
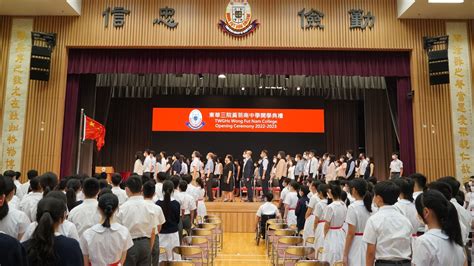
(237, 217)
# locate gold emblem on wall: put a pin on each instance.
(238, 19)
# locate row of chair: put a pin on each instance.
(286, 247)
(201, 246)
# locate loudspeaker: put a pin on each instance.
(43, 44)
(438, 65)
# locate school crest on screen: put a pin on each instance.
(238, 19)
(195, 120)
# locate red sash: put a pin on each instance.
(359, 234)
(335, 227)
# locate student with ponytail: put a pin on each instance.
(319, 221)
(48, 182)
(46, 246)
(12, 221)
(73, 187)
(357, 215)
(442, 244)
(169, 237)
(406, 205)
(335, 216)
(107, 242)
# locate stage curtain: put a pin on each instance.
(70, 125)
(379, 131)
(341, 122)
(268, 62)
(327, 87)
(405, 125)
(128, 131)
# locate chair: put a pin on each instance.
(216, 233)
(202, 242)
(271, 233)
(312, 263)
(279, 234)
(283, 243)
(296, 253)
(320, 252)
(219, 231)
(310, 241)
(217, 189)
(190, 253)
(243, 189)
(163, 253)
(210, 238)
(338, 263)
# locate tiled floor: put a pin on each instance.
(241, 249)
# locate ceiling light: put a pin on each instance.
(287, 77)
(298, 88)
(260, 87)
(221, 76)
(445, 1)
(201, 76)
(243, 88)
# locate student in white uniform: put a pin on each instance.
(442, 244)
(160, 177)
(12, 221)
(357, 215)
(66, 228)
(201, 205)
(464, 215)
(291, 200)
(141, 220)
(148, 194)
(29, 203)
(10, 190)
(283, 193)
(106, 243)
(419, 186)
(396, 166)
(266, 209)
(23, 189)
(406, 205)
(387, 232)
(138, 165)
(146, 162)
(86, 214)
(16, 181)
(117, 190)
(335, 216)
(189, 206)
(308, 230)
(319, 221)
(169, 236)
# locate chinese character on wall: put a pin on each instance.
(118, 16)
(166, 17)
(359, 20)
(311, 19)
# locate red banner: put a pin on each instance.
(238, 120)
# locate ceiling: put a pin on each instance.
(421, 9)
(40, 7)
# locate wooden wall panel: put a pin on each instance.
(237, 217)
(279, 29)
(5, 29)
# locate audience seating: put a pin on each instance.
(294, 254)
(283, 243)
(203, 243)
(193, 253)
(312, 263)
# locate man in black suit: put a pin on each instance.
(247, 174)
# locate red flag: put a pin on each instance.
(95, 131)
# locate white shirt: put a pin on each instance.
(291, 200)
(138, 216)
(158, 192)
(312, 202)
(464, 218)
(14, 203)
(335, 213)
(194, 191)
(147, 164)
(105, 246)
(434, 248)
(390, 231)
(306, 167)
(189, 204)
(29, 204)
(85, 215)
(408, 209)
(138, 167)
(416, 194)
(184, 169)
(159, 216)
(196, 165)
(291, 172)
(23, 189)
(153, 164)
(17, 184)
(121, 194)
(15, 223)
(396, 166)
(357, 215)
(320, 208)
(65, 229)
(267, 208)
(283, 194)
(362, 167)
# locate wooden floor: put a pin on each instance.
(241, 249)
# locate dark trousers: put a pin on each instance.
(139, 254)
(392, 263)
(280, 182)
(180, 229)
(264, 186)
(187, 224)
(249, 186)
(155, 252)
(209, 184)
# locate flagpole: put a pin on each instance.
(79, 141)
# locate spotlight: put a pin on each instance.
(287, 77)
(201, 76)
(221, 76)
(298, 88)
(260, 87)
(243, 88)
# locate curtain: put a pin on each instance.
(328, 87)
(379, 132)
(268, 62)
(341, 124)
(405, 125)
(68, 153)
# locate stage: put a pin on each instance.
(237, 217)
